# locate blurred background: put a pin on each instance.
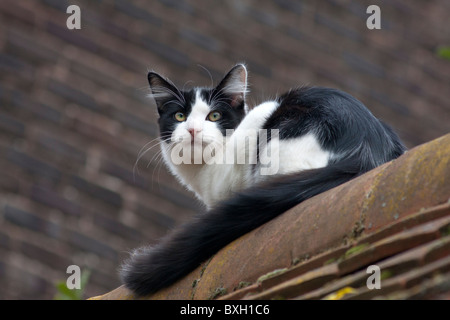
(74, 114)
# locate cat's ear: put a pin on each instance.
(162, 89)
(234, 84)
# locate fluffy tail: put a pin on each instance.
(152, 268)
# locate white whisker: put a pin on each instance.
(158, 141)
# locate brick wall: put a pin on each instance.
(74, 116)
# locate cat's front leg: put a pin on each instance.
(242, 146)
(257, 117)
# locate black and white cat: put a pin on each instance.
(303, 143)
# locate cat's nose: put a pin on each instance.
(193, 132)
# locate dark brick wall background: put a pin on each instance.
(74, 113)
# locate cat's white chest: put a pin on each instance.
(233, 171)
(238, 169)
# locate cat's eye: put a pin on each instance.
(214, 116)
(180, 116)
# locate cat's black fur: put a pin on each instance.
(343, 126)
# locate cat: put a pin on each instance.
(318, 138)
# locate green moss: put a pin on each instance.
(350, 252)
(271, 274)
(217, 293)
(355, 250)
(243, 284)
(202, 270)
(330, 261)
(386, 274)
(64, 293)
(443, 52)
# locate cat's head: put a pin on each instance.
(199, 116)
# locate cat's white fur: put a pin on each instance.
(215, 182)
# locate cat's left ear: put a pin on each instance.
(234, 84)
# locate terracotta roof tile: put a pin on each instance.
(396, 217)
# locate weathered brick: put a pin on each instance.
(259, 68)
(53, 199)
(180, 5)
(36, 252)
(261, 16)
(57, 4)
(10, 63)
(89, 244)
(301, 284)
(201, 40)
(137, 12)
(338, 27)
(11, 125)
(117, 228)
(125, 174)
(363, 65)
(135, 122)
(96, 191)
(113, 26)
(25, 283)
(33, 165)
(18, 12)
(35, 52)
(177, 197)
(73, 95)
(5, 241)
(291, 6)
(126, 61)
(66, 151)
(166, 52)
(98, 75)
(74, 38)
(9, 182)
(157, 218)
(31, 221)
(23, 104)
(2, 270)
